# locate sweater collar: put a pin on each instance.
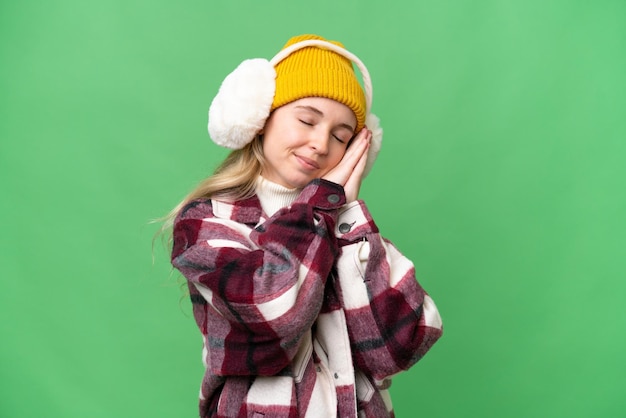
(269, 197)
(273, 196)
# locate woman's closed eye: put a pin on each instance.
(339, 139)
(306, 122)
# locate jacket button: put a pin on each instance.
(333, 198)
(345, 228)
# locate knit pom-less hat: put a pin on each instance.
(318, 72)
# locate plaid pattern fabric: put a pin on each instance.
(305, 314)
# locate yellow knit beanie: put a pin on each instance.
(317, 72)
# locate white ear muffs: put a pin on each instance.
(242, 105)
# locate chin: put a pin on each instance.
(298, 183)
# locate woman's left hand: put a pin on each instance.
(349, 171)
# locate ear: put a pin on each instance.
(373, 124)
(242, 105)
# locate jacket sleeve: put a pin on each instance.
(392, 322)
(262, 287)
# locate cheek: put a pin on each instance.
(337, 156)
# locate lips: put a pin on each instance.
(307, 162)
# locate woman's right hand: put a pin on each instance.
(349, 172)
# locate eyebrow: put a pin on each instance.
(320, 113)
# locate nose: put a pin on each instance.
(319, 140)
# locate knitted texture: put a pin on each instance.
(317, 72)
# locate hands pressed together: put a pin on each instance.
(349, 171)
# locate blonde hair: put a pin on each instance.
(234, 179)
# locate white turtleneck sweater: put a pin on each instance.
(273, 196)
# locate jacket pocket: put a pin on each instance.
(271, 396)
(364, 388)
(301, 360)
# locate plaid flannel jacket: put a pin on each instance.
(305, 314)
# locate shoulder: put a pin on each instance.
(195, 209)
(202, 218)
(247, 211)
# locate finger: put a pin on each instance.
(342, 172)
(359, 168)
(357, 148)
(353, 183)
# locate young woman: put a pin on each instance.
(304, 308)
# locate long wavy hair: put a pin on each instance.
(234, 179)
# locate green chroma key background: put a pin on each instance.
(502, 176)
